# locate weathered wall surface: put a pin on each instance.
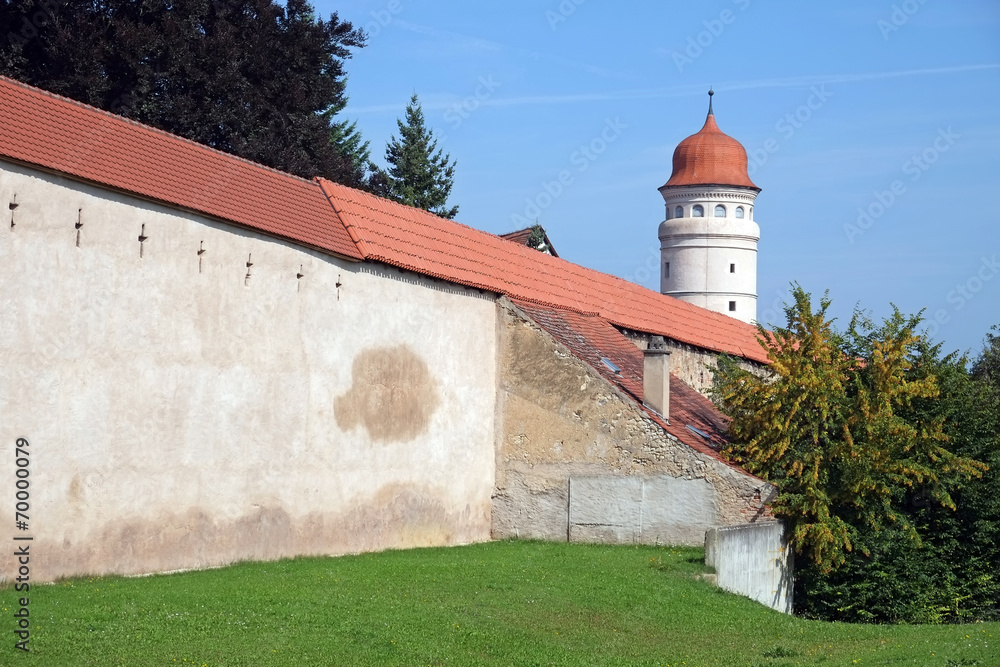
(558, 419)
(645, 509)
(254, 400)
(695, 366)
(756, 561)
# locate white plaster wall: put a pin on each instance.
(181, 418)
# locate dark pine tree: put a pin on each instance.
(419, 174)
(345, 135)
(248, 77)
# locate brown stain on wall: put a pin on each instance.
(393, 395)
(396, 516)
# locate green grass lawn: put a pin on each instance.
(503, 603)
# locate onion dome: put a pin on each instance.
(710, 157)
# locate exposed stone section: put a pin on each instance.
(559, 419)
(695, 366)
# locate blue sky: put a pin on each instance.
(889, 108)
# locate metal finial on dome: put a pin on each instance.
(710, 93)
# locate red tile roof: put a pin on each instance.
(710, 157)
(592, 340)
(89, 144)
(70, 138)
(416, 240)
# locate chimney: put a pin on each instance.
(656, 377)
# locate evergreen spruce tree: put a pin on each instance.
(419, 174)
(346, 137)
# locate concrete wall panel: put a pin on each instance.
(755, 561)
(649, 510)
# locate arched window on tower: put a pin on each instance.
(698, 211)
(739, 212)
(679, 212)
(720, 211)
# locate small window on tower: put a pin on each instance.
(678, 212)
(732, 268)
(732, 306)
(739, 212)
(720, 211)
(698, 211)
(666, 270)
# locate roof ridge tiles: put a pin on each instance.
(351, 229)
(175, 137)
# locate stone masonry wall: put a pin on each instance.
(695, 366)
(558, 419)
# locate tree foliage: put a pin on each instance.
(248, 77)
(987, 366)
(419, 173)
(833, 426)
(952, 576)
(538, 240)
(346, 136)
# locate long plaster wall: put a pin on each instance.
(562, 426)
(181, 414)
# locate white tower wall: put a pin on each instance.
(711, 261)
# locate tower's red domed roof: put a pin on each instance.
(710, 157)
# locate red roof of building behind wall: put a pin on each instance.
(593, 340)
(89, 144)
(416, 240)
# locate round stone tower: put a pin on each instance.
(708, 241)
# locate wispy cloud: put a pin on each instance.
(467, 42)
(814, 79)
(687, 90)
(473, 44)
